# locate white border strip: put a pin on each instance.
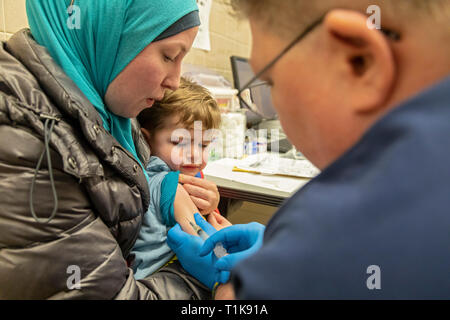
(4, 19)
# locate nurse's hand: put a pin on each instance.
(203, 193)
(241, 241)
(187, 248)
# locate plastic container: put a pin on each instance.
(233, 129)
(225, 98)
(220, 88)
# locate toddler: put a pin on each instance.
(178, 130)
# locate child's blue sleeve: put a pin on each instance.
(168, 191)
(163, 184)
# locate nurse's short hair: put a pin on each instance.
(191, 102)
(287, 18)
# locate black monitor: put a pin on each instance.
(261, 96)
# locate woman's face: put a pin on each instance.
(145, 79)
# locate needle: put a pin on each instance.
(219, 249)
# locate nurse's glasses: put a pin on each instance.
(244, 93)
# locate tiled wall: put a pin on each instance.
(228, 35)
(13, 18)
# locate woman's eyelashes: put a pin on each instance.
(171, 57)
(168, 59)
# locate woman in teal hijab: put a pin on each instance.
(86, 63)
(94, 41)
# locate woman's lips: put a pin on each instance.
(150, 102)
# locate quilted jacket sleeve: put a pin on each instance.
(74, 256)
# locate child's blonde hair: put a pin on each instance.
(191, 102)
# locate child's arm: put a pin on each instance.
(184, 210)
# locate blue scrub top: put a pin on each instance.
(373, 225)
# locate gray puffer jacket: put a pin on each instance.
(97, 188)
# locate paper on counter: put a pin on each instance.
(223, 169)
(271, 164)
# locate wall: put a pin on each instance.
(12, 17)
(228, 35)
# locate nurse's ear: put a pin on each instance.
(363, 59)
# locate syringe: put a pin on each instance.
(219, 250)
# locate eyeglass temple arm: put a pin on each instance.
(389, 33)
(282, 53)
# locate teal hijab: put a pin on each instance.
(103, 38)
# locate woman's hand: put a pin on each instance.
(203, 193)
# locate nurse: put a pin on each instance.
(370, 108)
(72, 188)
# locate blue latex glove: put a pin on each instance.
(240, 240)
(187, 248)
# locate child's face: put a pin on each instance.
(184, 150)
